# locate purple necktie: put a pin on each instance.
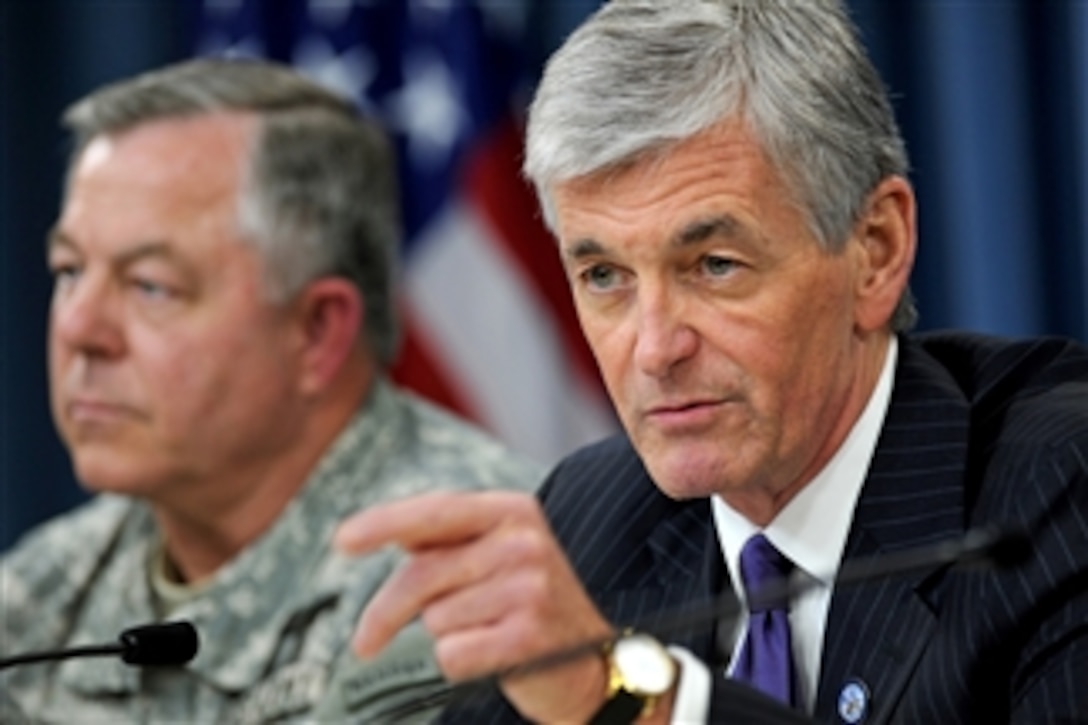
(766, 658)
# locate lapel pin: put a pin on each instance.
(853, 701)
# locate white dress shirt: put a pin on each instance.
(811, 531)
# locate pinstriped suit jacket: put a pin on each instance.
(979, 431)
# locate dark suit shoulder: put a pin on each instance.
(1024, 395)
(599, 483)
(1027, 406)
(994, 370)
(612, 520)
(604, 458)
(1027, 468)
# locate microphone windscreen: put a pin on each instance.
(169, 643)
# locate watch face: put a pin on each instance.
(646, 666)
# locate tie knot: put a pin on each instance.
(765, 573)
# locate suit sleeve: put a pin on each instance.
(1050, 681)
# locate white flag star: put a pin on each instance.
(428, 109)
(349, 72)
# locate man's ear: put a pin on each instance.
(329, 314)
(886, 238)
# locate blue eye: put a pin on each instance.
(718, 266)
(600, 276)
(149, 288)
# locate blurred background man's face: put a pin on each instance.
(167, 366)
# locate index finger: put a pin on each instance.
(433, 519)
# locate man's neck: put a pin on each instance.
(761, 503)
(203, 533)
(199, 542)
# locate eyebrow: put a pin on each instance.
(724, 225)
(154, 249)
(696, 232)
(584, 248)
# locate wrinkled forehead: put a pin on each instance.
(725, 159)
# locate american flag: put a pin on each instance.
(489, 328)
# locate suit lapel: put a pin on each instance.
(913, 496)
(686, 567)
(683, 548)
(689, 563)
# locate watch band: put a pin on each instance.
(623, 708)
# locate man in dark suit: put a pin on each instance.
(728, 188)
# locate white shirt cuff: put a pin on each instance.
(692, 703)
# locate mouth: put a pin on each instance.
(681, 405)
(677, 416)
(98, 411)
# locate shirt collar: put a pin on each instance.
(811, 530)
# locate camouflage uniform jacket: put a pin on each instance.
(275, 622)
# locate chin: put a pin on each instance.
(100, 474)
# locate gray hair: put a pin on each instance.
(320, 196)
(642, 75)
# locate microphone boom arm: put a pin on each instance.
(985, 546)
(161, 644)
(95, 650)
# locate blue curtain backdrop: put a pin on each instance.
(992, 96)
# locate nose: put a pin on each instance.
(84, 316)
(664, 340)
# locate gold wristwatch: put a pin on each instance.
(640, 672)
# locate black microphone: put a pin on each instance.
(986, 546)
(149, 645)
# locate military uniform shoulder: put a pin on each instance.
(67, 540)
(63, 547)
(451, 445)
(49, 567)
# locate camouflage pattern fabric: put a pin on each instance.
(275, 622)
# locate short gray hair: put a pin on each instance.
(642, 75)
(320, 195)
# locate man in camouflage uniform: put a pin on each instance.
(219, 332)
